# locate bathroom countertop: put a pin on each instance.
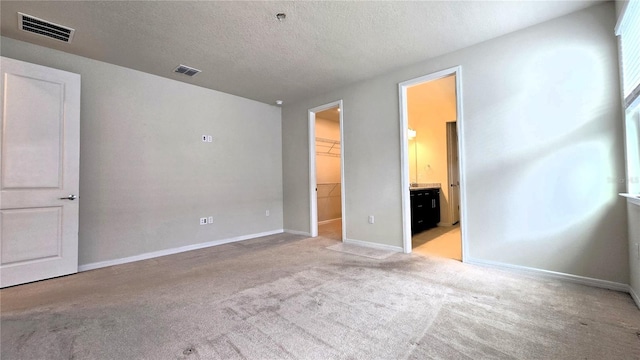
(424, 186)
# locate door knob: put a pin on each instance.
(70, 197)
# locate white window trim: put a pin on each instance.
(632, 198)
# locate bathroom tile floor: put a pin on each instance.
(442, 241)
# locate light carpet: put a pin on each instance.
(361, 251)
(285, 297)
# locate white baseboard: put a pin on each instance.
(635, 296)
(374, 245)
(296, 232)
(605, 284)
(154, 254)
(329, 221)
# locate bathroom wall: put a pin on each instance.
(430, 106)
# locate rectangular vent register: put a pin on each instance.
(45, 28)
(187, 70)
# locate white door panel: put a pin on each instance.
(32, 153)
(453, 172)
(39, 153)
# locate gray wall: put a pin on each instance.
(145, 176)
(620, 4)
(634, 254)
(542, 145)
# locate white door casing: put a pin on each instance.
(39, 171)
(313, 186)
(404, 154)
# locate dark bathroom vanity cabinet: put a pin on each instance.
(425, 209)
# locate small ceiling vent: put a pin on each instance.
(187, 70)
(45, 28)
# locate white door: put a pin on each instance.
(454, 172)
(39, 161)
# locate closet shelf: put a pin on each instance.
(327, 147)
(327, 190)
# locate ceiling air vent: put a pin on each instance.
(45, 28)
(187, 70)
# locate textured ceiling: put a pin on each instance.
(243, 49)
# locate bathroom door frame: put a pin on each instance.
(313, 186)
(404, 154)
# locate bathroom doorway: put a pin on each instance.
(326, 172)
(432, 180)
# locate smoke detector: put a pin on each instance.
(45, 28)
(186, 70)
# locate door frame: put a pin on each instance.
(313, 194)
(404, 154)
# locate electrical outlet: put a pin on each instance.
(371, 219)
(203, 221)
(266, 213)
(210, 220)
(209, 138)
